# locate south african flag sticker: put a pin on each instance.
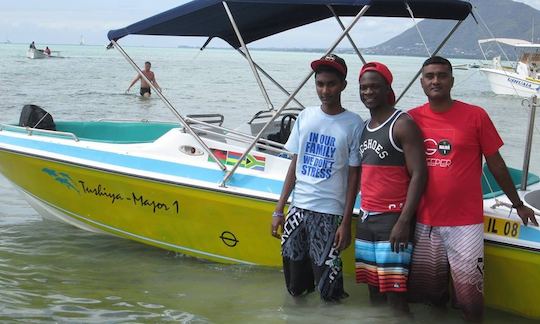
(251, 161)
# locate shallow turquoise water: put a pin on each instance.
(51, 272)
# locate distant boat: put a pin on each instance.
(82, 41)
(34, 53)
(522, 78)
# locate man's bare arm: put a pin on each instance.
(133, 82)
(343, 233)
(288, 186)
(409, 135)
(500, 172)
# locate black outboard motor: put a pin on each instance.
(35, 117)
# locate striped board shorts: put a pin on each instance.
(376, 264)
(309, 258)
(444, 252)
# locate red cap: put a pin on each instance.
(333, 61)
(386, 74)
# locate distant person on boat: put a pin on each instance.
(47, 51)
(145, 87)
(32, 45)
(393, 177)
(324, 176)
(449, 237)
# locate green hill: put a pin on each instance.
(504, 18)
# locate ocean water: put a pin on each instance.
(52, 272)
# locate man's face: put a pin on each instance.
(437, 81)
(147, 67)
(329, 87)
(373, 90)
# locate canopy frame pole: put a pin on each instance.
(269, 77)
(433, 54)
(533, 103)
(230, 173)
(248, 56)
(353, 44)
(170, 106)
(417, 28)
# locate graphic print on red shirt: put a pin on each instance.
(385, 179)
(455, 141)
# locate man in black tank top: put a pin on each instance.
(393, 176)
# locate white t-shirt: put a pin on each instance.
(326, 146)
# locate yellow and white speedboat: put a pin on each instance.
(200, 189)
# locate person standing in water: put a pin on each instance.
(324, 175)
(145, 87)
(393, 177)
(449, 237)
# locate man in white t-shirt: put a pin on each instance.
(324, 175)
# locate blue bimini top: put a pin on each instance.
(258, 19)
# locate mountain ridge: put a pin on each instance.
(520, 22)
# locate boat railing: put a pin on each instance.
(30, 131)
(135, 120)
(215, 129)
(204, 128)
(263, 114)
(208, 118)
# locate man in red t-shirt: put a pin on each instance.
(450, 231)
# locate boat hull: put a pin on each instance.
(202, 223)
(512, 275)
(512, 260)
(510, 83)
(35, 54)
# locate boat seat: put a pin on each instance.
(533, 198)
(116, 132)
(491, 189)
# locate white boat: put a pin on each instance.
(521, 78)
(34, 53)
(201, 189)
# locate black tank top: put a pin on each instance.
(385, 179)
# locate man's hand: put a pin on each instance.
(343, 237)
(526, 214)
(277, 223)
(399, 237)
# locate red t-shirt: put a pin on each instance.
(455, 141)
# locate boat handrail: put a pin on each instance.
(235, 135)
(270, 146)
(208, 118)
(134, 120)
(30, 131)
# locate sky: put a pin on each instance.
(69, 21)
